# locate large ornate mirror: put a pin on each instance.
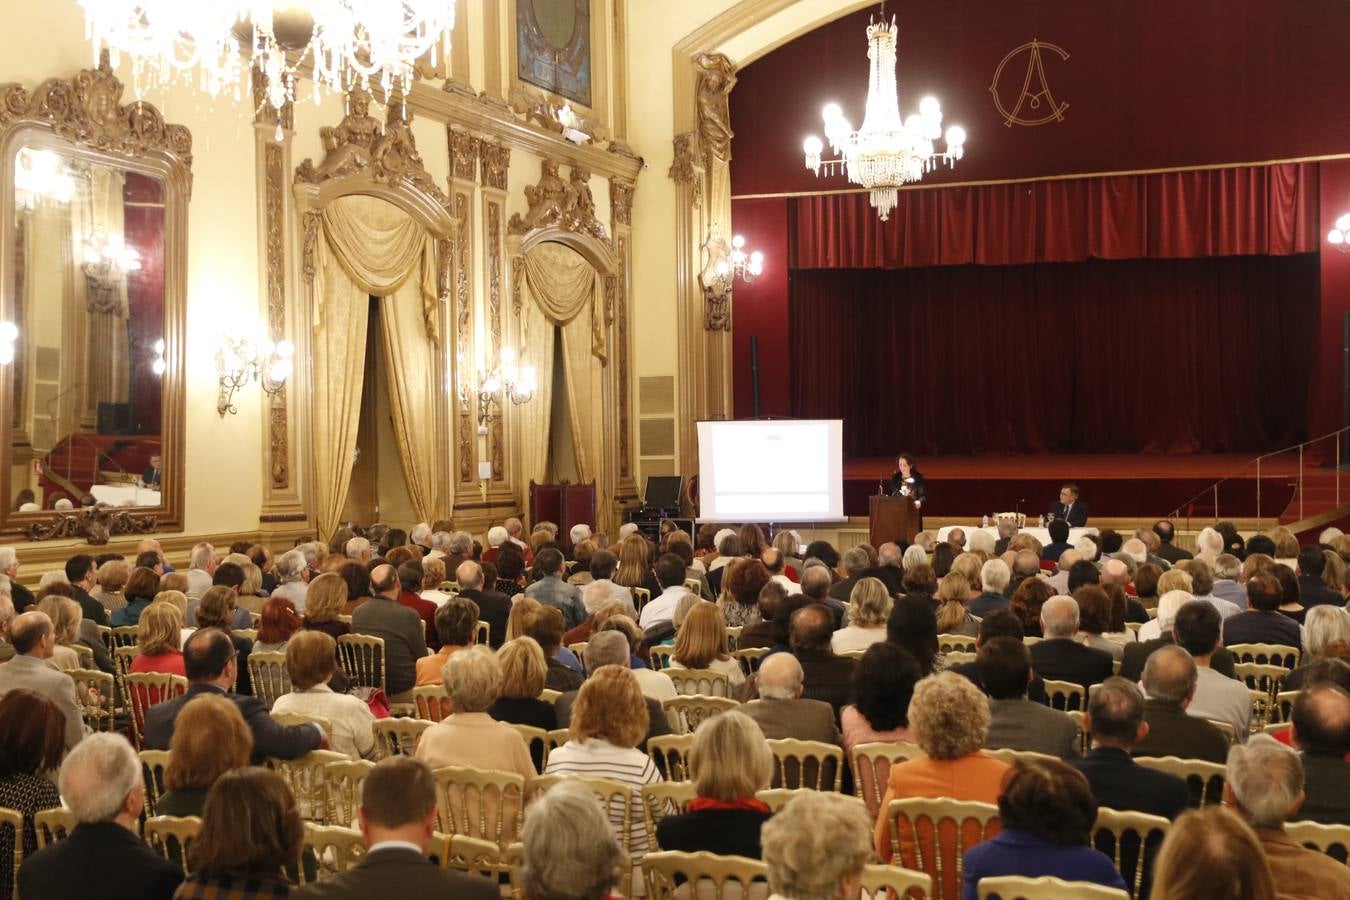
(93, 218)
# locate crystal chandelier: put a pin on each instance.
(110, 255)
(341, 43)
(886, 152)
(41, 175)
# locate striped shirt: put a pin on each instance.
(598, 758)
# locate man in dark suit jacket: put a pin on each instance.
(405, 637)
(493, 607)
(398, 809)
(211, 664)
(1312, 590)
(1169, 681)
(994, 578)
(102, 858)
(1059, 656)
(1115, 721)
(1059, 541)
(781, 712)
(1263, 623)
(1138, 652)
(855, 561)
(825, 675)
(83, 577)
(1069, 507)
(21, 596)
(1321, 718)
(1169, 551)
(1002, 623)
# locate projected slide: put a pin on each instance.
(787, 471)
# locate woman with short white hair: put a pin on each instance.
(570, 852)
(914, 555)
(1170, 600)
(815, 848)
(869, 606)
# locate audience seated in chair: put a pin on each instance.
(456, 629)
(883, 683)
(311, 664)
(159, 639)
(103, 856)
(401, 628)
(1169, 682)
(211, 738)
(611, 648)
(701, 643)
(34, 639)
(469, 736)
(782, 712)
(869, 605)
(32, 742)
(1263, 622)
(816, 846)
(1211, 854)
(1016, 723)
(570, 849)
(1321, 731)
(1059, 656)
(1217, 697)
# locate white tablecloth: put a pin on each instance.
(1040, 534)
(119, 494)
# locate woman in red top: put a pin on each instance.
(160, 640)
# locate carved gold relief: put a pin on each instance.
(311, 245)
(621, 201)
(682, 168)
(494, 272)
(464, 149)
(566, 204)
(716, 78)
(463, 337)
(274, 215)
(621, 329)
(495, 158)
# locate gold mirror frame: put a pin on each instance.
(84, 118)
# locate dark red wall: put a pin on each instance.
(144, 230)
(1149, 83)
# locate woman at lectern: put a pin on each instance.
(908, 481)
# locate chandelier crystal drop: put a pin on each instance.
(340, 43)
(886, 152)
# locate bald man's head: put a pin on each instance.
(1321, 720)
(384, 582)
(1026, 564)
(1068, 558)
(469, 575)
(1115, 572)
(1059, 617)
(780, 677)
(1170, 675)
(811, 627)
(27, 634)
(816, 582)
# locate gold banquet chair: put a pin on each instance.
(808, 764)
(750, 658)
(268, 674)
(94, 691)
(1331, 840)
(1266, 654)
(670, 753)
(1064, 695)
(872, 769)
(939, 848)
(11, 829)
(1009, 756)
(712, 877)
(1205, 779)
(480, 803)
(660, 657)
(618, 800)
(1014, 887)
(142, 690)
(777, 798)
(172, 836)
(699, 682)
(335, 848)
(398, 737)
(53, 825)
(880, 882)
(304, 775)
(342, 783)
(958, 642)
(665, 798)
(687, 713)
(361, 657)
(431, 702)
(1132, 840)
(536, 739)
(153, 765)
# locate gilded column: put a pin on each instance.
(464, 150)
(494, 161)
(619, 316)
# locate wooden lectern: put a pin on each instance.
(892, 518)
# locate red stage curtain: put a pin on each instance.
(1175, 356)
(1258, 210)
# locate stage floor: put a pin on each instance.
(1113, 485)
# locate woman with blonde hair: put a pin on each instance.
(869, 606)
(702, 644)
(1211, 854)
(325, 599)
(250, 592)
(65, 614)
(311, 661)
(729, 763)
(952, 617)
(609, 720)
(210, 738)
(515, 619)
(159, 638)
(969, 565)
(112, 578)
(523, 671)
(635, 569)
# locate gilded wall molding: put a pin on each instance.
(464, 340)
(683, 167)
(464, 150)
(311, 244)
(494, 299)
(274, 214)
(712, 90)
(554, 202)
(494, 161)
(623, 367)
(621, 201)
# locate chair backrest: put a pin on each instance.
(11, 830)
(1013, 887)
(105, 635)
(537, 740)
(143, 690)
(548, 695)
(1268, 654)
(1032, 640)
(1229, 731)
(342, 789)
(954, 657)
(776, 798)
(1332, 840)
(1264, 710)
(269, 676)
(483, 633)
(1204, 778)
(1132, 840)
(641, 597)
(125, 635)
(578, 649)
(693, 586)
(1084, 741)
(940, 834)
(361, 657)
(480, 803)
(94, 692)
(304, 775)
(690, 712)
(172, 837)
(733, 636)
(1011, 756)
(1283, 708)
(53, 825)
(710, 875)
(750, 658)
(897, 882)
(431, 702)
(248, 634)
(707, 682)
(303, 719)
(660, 656)
(85, 654)
(665, 798)
(670, 753)
(153, 764)
(123, 657)
(336, 847)
(809, 764)
(398, 736)
(615, 796)
(1065, 695)
(1261, 677)
(475, 856)
(872, 769)
(948, 642)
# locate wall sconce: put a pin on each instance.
(159, 365)
(722, 265)
(517, 382)
(1339, 237)
(242, 359)
(9, 336)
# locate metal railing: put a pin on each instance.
(1330, 441)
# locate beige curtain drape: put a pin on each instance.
(536, 333)
(373, 248)
(565, 290)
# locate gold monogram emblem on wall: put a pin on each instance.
(1034, 104)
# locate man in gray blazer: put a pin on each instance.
(405, 637)
(781, 712)
(34, 641)
(1016, 723)
(398, 816)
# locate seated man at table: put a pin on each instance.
(153, 475)
(1069, 507)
